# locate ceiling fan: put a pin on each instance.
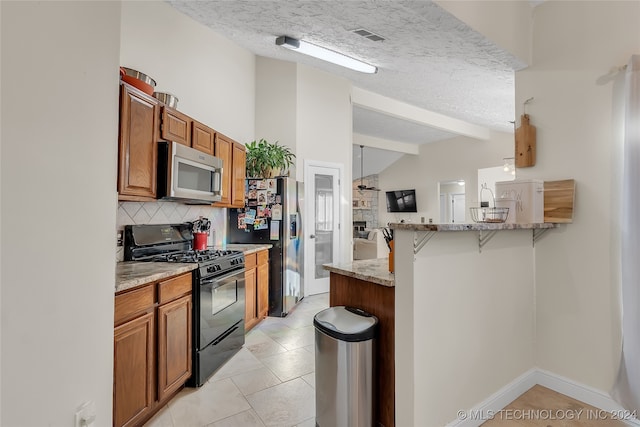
(363, 187)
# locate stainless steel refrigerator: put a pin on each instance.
(273, 215)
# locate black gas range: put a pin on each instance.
(218, 290)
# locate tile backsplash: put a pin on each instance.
(170, 213)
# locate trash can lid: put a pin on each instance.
(346, 323)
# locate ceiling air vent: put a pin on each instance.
(368, 34)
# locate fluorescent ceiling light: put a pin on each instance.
(325, 54)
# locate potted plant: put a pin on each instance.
(268, 160)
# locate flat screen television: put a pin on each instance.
(401, 201)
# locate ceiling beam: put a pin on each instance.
(385, 144)
(391, 107)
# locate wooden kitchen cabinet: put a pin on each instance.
(143, 122)
(250, 292)
(239, 172)
(133, 376)
(251, 315)
(224, 151)
(256, 288)
(262, 279)
(174, 346)
(152, 348)
(233, 155)
(202, 137)
(176, 126)
(137, 150)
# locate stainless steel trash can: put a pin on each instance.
(344, 339)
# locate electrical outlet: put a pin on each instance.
(85, 414)
(119, 241)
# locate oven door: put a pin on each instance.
(221, 305)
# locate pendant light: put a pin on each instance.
(363, 187)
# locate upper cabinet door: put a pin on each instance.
(224, 150)
(202, 137)
(176, 126)
(239, 175)
(137, 154)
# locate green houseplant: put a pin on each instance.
(268, 160)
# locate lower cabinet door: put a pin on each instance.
(250, 313)
(133, 365)
(263, 290)
(174, 345)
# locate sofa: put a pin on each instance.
(373, 246)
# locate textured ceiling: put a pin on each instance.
(380, 125)
(429, 58)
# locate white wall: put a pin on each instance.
(276, 103)
(464, 332)
(324, 133)
(213, 77)
(453, 159)
(58, 173)
(576, 112)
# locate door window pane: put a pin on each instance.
(324, 198)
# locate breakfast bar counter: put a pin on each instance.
(370, 270)
(368, 285)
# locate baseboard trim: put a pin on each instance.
(582, 392)
(497, 401)
(477, 415)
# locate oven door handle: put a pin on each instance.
(220, 279)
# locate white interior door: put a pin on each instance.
(322, 230)
(458, 208)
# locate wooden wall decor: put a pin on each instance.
(525, 143)
(559, 199)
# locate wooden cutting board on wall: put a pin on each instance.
(559, 198)
(525, 143)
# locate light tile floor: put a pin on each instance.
(269, 383)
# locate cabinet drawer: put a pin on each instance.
(250, 261)
(263, 257)
(171, 289)
(128, 304)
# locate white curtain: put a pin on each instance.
(627, 388)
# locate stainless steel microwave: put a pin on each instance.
(187, 175)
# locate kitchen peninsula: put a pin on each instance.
(367, 284)
(465, 314)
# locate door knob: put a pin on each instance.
(313, 236)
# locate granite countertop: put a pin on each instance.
(130, 274)
(244, 247)
(480, 226)
(370, 270)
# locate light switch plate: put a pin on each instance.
(85, 414)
